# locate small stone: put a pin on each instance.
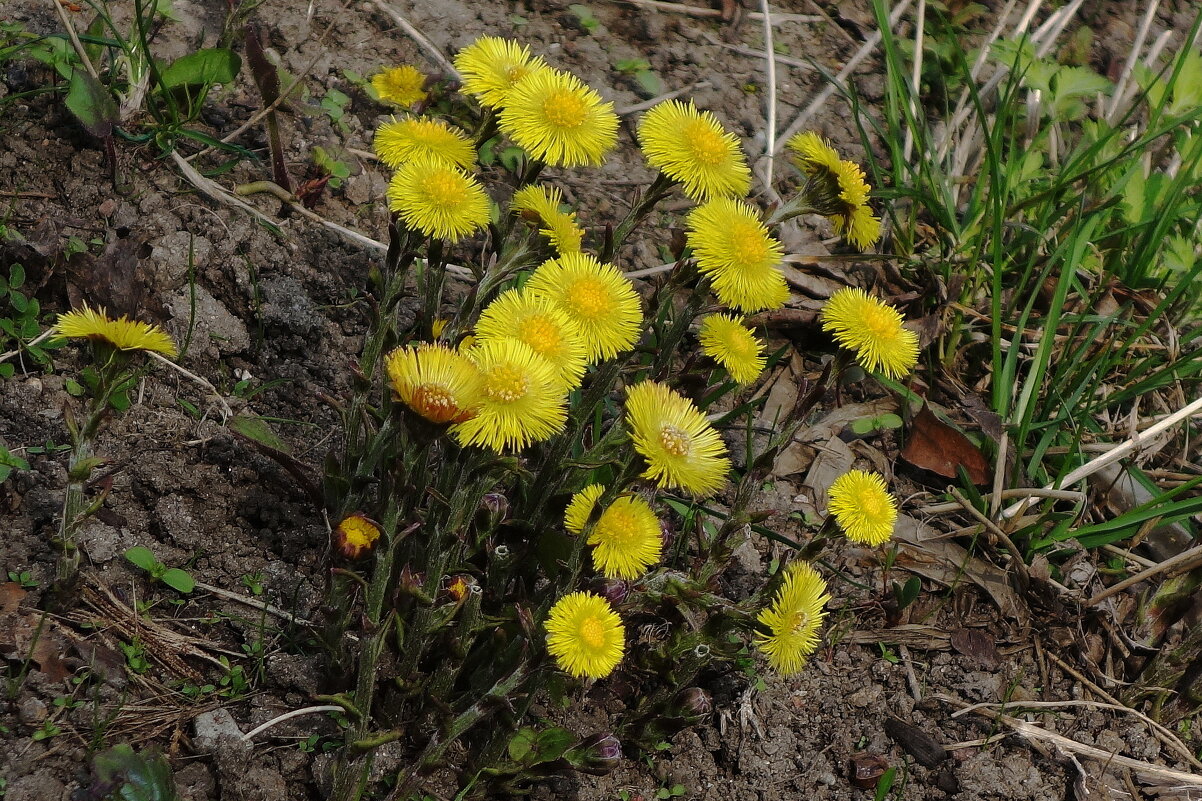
(32, 712)
(210, 728)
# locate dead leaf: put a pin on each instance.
(119, 279)
(11, 596)
(833, 460)
(934, 445)
(916, 742)
(867, 769)
(977, 645)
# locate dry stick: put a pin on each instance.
(1120, 86)
(296, 713)
(646, 104)
(1030, 730)
(262, 606)
(1114, 454)
(747, 51)
(418, 37)
(1164, 734)
(1177, 564)
(694, 11)
(40, 338)
(204, 382)
(770, 69)
(851, 65)
(1023, 492)
(1016, 556)
(78, 45)
(916, 75)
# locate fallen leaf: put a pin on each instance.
(977, 645)
(867, 769)
(119, 279)
(10, 597)
(934, 445)
(916, 742)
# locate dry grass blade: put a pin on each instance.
(715, 13)
(418, 37)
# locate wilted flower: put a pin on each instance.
(863, 507)
(835, 189)
(355, 536)
(122, 333)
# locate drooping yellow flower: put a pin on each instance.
(543, 203)
(438, 199)
(355, 536)
(435, 381)
(733, 247)
(680, 446)
(627, 539)
(555, 118)
(692, 147)
(403, 85)
(122, 333)
(490, 66)
(597, 297)
(399, 141)
(872, 330)
(521, 398)
(581, 506)
(836, 188)
(537, 321)
(731, 344)
(793, 619)
(862, 507)
(585, 635)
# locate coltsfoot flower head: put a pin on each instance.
(731, 344)
(585, 635)
(732, 246)
(680, 446)
(793, 619)
(437, 199)
(835, 188)
(543, 202)
(581, 506)
(121, 333)
(862, 507)
(555, 118)
(691, 147)
(355, 536)
(490, 66)
(521, 399)
(598, 298)
(402, 86)
(627, 538)
(871, 329)
(436, 382)
(537, 321)
(400, 141)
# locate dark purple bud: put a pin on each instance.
(493, 511)
(666, 533)
(613, 590)
(597, 754)
(692, 704)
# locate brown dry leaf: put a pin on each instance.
(48, 653)
(833, 460)
(934, 445)
(977, 645)
(119, 279)
(11, 596)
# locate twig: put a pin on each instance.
(23, 194)
(770, 71)
(78, 45)
(694, 11)
(296, 713)
(1024, 492)
(753, 53)
(40, 338)
(201, 380)
(824, 95)
(1016, 556)
(1113, 455)
(1176, 564)
(1120, 86)
(911, 679)
(1033, 732)
(252, 602)
(646, 104)
(418, 37)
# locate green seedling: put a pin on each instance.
(47, 730)
(24, 578)
(639, 69)
(874, 425)
(585, 18)
(135, 656)
(179, 580)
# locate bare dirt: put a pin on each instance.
(278, 312)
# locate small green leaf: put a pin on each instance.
(7, 370)
(255, 428)
(73, 387)
(178, 579)
(142, 557)
(92, 104)
(16, 276)
(135, 776)
(522, 744)
(649, 83)
(18, 301)
(207, 66)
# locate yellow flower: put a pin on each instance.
(836, 189)
(597, 297)
(727, 341)
(521, 399)
(435, 381)
(355, 536)
(793, 619)
(691, 147)
(403, 85)
(627, 539)
(873, 330)
(585, 635)
(734, 249)
(538, 322)
(581, 506)
(680, 446)
(862, 507)
(437, 199)
(122, 333)
(543, 203)
(490, 66)
(557, 119)
(400, 141)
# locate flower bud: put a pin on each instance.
(667, 533)
(459, 587)
(493, 511)
(597, 754)
(613, 590)
(692, 704)
(355, 536)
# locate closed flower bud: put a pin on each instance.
(597, 754)
(692, 704)
(355, 536)
(613, 590)
(493, 511)
(666, 533)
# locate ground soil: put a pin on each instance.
(278, 311)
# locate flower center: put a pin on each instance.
(588, 298)
(741, 347)
(506, 384)
(706, 145)
(592, 633)
(515, 72)
(747, 243)
(872, 506)
(795, 621)
(880, 323)
(443, 188)
(542, 335)
(616, 526)
(674, 440)
(435, 403)
(565, 109)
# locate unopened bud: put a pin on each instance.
(355, 536)
(597, 754)
(666, 533)
(692, 704)
(612, 590)
(493, 511)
